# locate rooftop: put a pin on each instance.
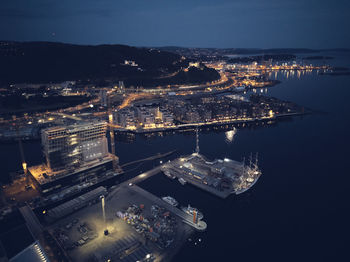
(33, 253)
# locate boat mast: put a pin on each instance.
(197, 141)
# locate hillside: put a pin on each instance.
(40, 62)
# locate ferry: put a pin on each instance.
(190, 210)
(170, 200)
(182, 181)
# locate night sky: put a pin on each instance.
(201, 23)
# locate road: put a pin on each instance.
(159, 155)
(144, 175)
(66, 115)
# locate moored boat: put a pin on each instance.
(191, 210)
(170, 200)
(182, 181)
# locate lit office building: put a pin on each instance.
(73, 154)
(74, 145)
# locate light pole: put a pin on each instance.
(104, 214)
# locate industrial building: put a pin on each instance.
(76, 203)
(33, 253)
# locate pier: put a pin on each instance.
(171, 167)
(186, 218)
(131, 184)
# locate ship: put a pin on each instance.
(252, 174)
(190, 210)
(182, 181)
(170, 200)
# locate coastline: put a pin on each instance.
(209, 124)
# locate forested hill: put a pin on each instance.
(40, 62)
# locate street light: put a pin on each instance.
(104, 213)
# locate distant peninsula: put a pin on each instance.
(257, 58)
(317, 57)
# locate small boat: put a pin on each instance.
(170, 200)
(190, 210)
(182, 181)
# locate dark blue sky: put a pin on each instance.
(195, 23)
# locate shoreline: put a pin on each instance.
(208, 124)
(179, 127)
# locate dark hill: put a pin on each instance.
(39, 62)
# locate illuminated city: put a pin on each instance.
(174, 131)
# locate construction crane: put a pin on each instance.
(24, 164)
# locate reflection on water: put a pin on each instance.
(291, 73)
(230, 135)
(229, 129)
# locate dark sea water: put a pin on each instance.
(297, 211)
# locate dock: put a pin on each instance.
(186, 218)
(193, 181)
(131, 184)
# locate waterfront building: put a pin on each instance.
(167, 118)
(125, 118)
(74, 145)
(145, 117)
(73, 154)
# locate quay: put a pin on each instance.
(221, 177)
(186, 218)
(195, 182)
(131, 183)
(122, 241)
(208, 124)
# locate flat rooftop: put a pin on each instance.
(33, 253)
(43, 174)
